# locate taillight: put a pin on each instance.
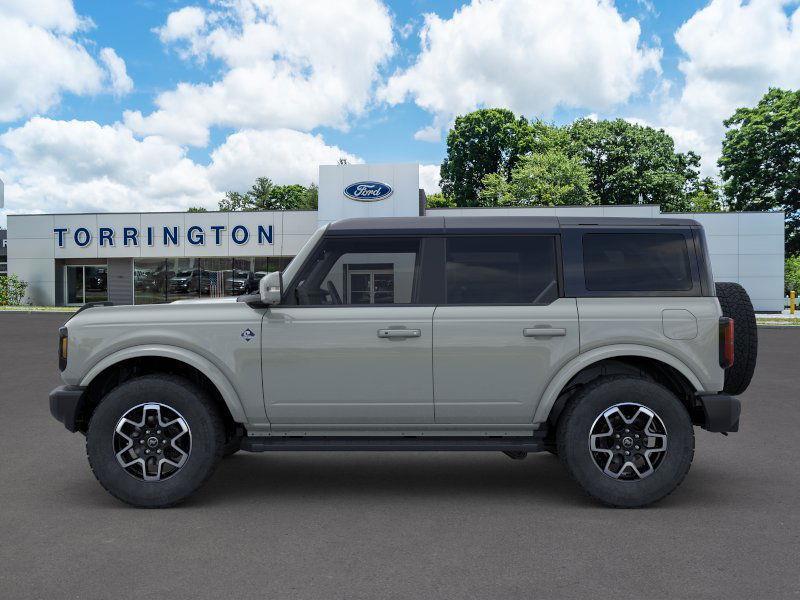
(725, 342)
(63, 342)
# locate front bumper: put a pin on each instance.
(721, 412)
(66, 403)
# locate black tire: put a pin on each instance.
(580, 415)
(736, 304)
(207, 440)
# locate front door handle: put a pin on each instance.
(544, 331)
(399, 333)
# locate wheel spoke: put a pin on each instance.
(144, 434)
(628, 441)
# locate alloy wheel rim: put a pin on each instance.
(152, 441)
(628, 441)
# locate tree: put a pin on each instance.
(791, 277)
(288, 197)
(265, 195)
(234, 201)
(485, 141)
(705, 196)
(197, 209)
(439, 200)
(548, 179)
(312, 197)
(627, 161)
(760, 162)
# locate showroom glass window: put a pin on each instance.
(360, 271)
(638, 262)
(157, 280)
(501, 270)
(86, 283)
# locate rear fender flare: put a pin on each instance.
(580, 362)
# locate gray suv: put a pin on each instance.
(603, 341)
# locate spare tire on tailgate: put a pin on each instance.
(736, 304)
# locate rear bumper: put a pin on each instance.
(65, 405)
(721, 412)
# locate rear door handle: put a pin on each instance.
(544, 331)
(399, 333)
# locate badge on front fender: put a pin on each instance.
(248, 335)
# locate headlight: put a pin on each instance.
(63, 344)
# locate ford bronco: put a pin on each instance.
(603, 341)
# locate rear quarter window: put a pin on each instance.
(636, 262)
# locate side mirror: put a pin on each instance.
(270, 288)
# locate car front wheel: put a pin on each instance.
(154, 440)
(627, 441)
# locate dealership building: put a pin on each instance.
(143, 258)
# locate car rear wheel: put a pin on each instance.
(627, 441)
(154, 440)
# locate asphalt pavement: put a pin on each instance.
(396, 525)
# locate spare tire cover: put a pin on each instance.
(736, 304)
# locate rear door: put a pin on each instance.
(503, 329)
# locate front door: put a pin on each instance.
(503, 330)
(351, 345)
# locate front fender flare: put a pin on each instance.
(587, 359)
(206, 367)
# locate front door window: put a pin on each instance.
(360, 271)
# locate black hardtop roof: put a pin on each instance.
(501, 225)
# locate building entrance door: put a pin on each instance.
(86, 283)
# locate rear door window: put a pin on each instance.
(501, 270)
(636, 262)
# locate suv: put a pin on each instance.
(603, 341)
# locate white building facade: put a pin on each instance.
(137, 258)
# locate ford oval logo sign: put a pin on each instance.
(368, 191)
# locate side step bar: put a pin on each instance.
(393, 444)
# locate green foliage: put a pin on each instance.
(549, 179)
(482, 142)
(624, 162)
(627, 162)
(197, 209)
(288, 197)
(791, 277)
(12, 290)
(760, 158)
(706, 196)
(265, 195)
(439, 200)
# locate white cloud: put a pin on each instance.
(429, 178)
(283, 155)
(121, 83)
(67, 166)
(287, 64)
(734, 51)
(183, 24)
(528, 55)
(41, 58)
(73, 166)
(58, 15)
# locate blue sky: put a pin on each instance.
(147, 104)
(127, 26)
